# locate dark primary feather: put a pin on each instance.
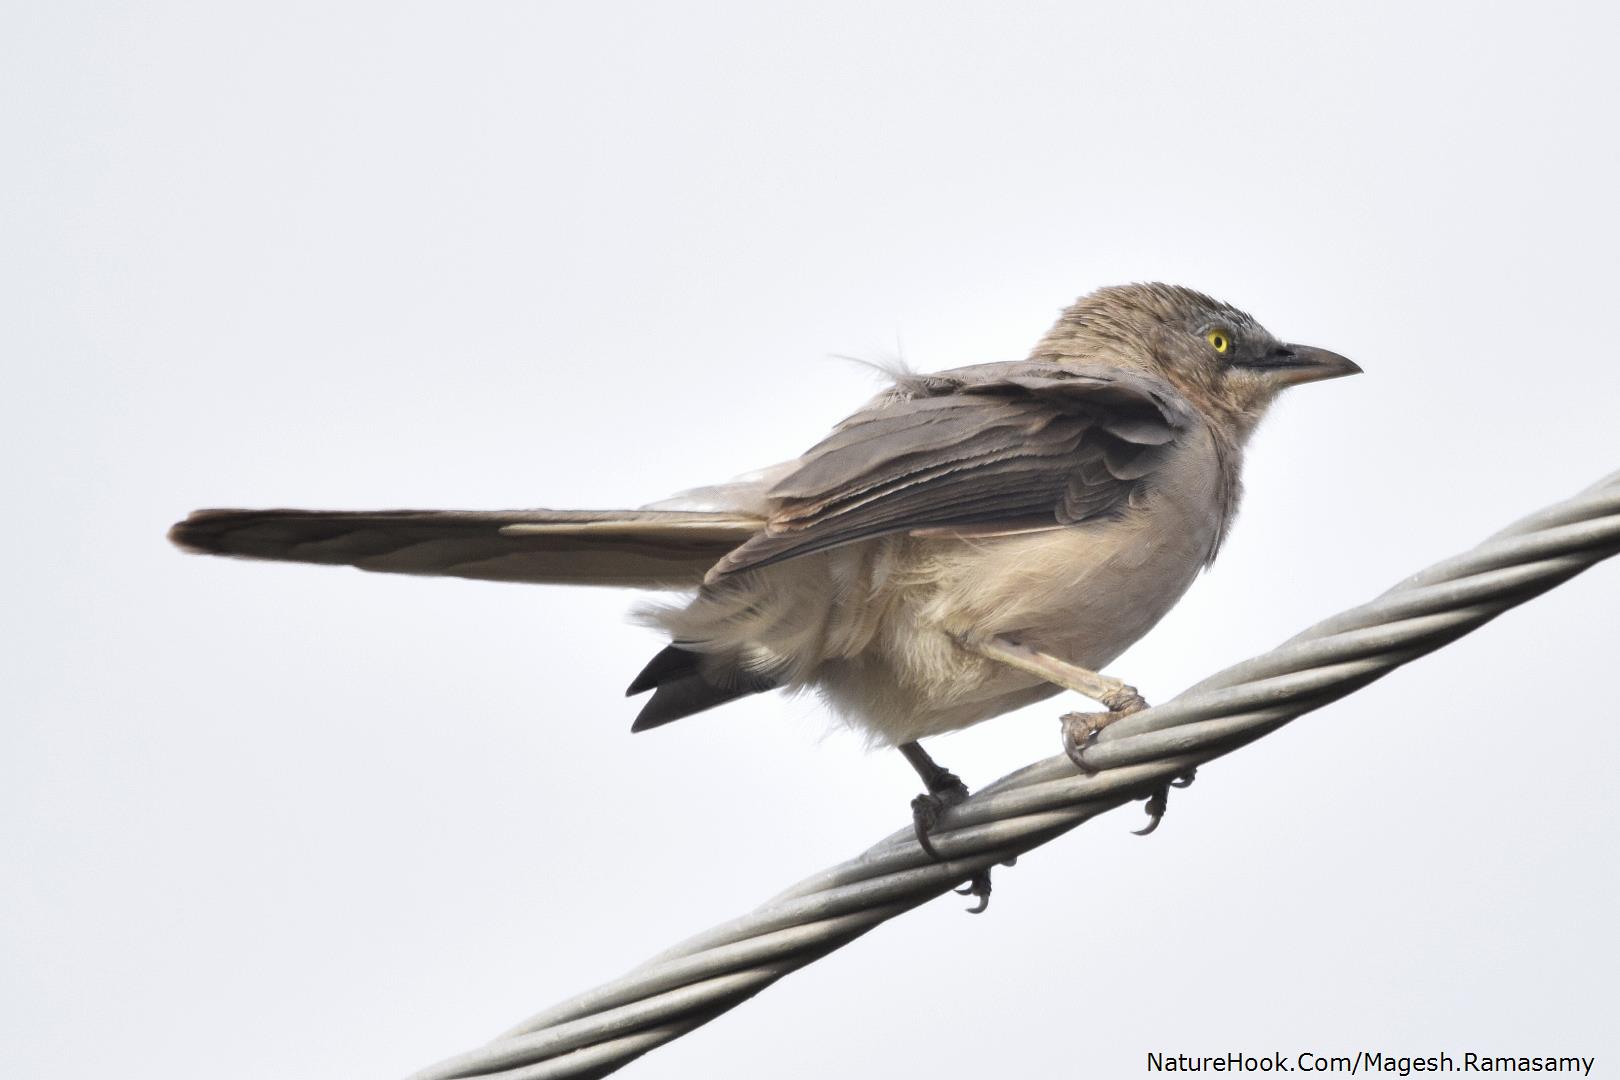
(653, 548)
(1008, 446)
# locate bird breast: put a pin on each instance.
(1088, 592)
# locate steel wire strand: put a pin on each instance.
(601, 1030)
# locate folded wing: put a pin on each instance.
(998, 447)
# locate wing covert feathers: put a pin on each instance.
(994, 448)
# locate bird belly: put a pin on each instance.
(1083, 594)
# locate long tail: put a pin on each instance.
(665, 549)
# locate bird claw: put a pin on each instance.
(1159, 801)
(978, 885)
(927, 808)
(1157, 804)
(925, 811)
(1079, 729)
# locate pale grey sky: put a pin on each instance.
(273, 822)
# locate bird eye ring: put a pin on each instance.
(1218, 340)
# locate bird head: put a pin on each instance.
(1226, 363)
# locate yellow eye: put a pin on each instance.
(1218, 340)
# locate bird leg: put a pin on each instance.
(1079, 729)
(945, 790)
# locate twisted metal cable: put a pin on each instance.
(601, 1030)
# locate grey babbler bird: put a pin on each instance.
(968, 542)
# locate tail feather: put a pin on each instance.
(641, 548)
(672, 662)
(681, 688)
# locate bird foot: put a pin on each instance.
(945, 792)
(1080, 728)
(1159, 801)
(927, 808)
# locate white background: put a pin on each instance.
(267, 821)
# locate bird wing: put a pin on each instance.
(645, 548)
(992, 448)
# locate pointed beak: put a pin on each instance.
(1290, 365)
